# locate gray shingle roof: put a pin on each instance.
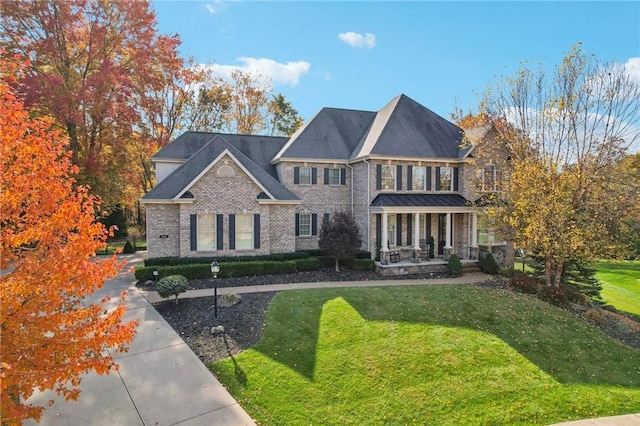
(406, 128)
(332, 134)
(420, 200)
(184, 175)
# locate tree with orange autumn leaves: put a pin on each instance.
(49, 238)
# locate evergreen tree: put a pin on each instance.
(339, 237)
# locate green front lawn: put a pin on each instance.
(621, 284)
(428, 355)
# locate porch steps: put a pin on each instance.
(470, 268)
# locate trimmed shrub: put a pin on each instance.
(279, 257)
(308, 264)
(362, 264)
(172, 285)
(489, 265)
(128, 248)
(455, 266)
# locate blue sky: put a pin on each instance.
(359, 55)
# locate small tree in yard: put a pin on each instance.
(172, 285)
(340, 237)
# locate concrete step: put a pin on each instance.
(470, 268)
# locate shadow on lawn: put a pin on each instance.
(561, 345)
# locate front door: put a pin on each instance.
(442, 233)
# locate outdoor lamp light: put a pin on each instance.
(215, 268)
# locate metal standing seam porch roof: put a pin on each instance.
(421, 200)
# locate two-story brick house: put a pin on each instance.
(403, 172)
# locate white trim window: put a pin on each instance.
(391, 230)
(334, 176)
(304, 225)
(418, 176)
(304, 176)
(244, 231)
(206, 227)
(491, 178)
(388, 178)
(446, 178)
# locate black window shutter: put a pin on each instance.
(409, 229)
(194, 232)
(428, 234)
(296, 175)
(399, 229)
(379, 177)
(455, 178)
(256, 231)
(219, 232)
(326, 176)
(378, 230)
(399, 177)
(314, 224)
(409, 178)
(297, 224)
(437, 178)
(343, 176)
(429, 178)
(232, 232)
(314, 176)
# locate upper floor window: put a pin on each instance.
(305, 175)
(388, 178)
(446, 178)
(418, 178)
(333, 176)
(490, 178)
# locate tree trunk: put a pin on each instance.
(337, 268)
(553, 272)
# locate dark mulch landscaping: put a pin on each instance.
(244, 321)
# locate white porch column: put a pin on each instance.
(474, 230)
(447, 244)
(416, 231)
(385, 233)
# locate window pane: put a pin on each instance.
(391, 230)
(489, 178)
(305, 175)
(334, 176)
(244, 231)
(417, 178)
(388, 177)
(304, 225)
(206, 226)
(445, 178)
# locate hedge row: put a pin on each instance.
(276, 257)
(243, 269)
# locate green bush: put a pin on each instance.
(128, 248)
(455, 266)
(308, 264)
(489, 265)
(362, 265)
(279, 257)
(172, 285)
(144, 273)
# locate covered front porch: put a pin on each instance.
(424, 229)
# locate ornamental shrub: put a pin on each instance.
(455, 266)
(128, 248)
(489, 265)
(172, 285)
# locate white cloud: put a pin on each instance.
(284, 73)
(632, 67)
(362, 41)
(214, 7)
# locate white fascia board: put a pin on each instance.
(180, 201)
(404, 158)
(311, 160)
(206, 169)
(168, 160)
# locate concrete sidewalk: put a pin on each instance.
(160, 380)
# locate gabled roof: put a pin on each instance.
(332, 134)
(406, 128)
(420, 200)
(181, 179)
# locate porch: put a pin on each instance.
(424, 267)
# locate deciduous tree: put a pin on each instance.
(103, 72)
(48, 240)
(566, 131)
(339, 237)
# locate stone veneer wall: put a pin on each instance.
(163, 219)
